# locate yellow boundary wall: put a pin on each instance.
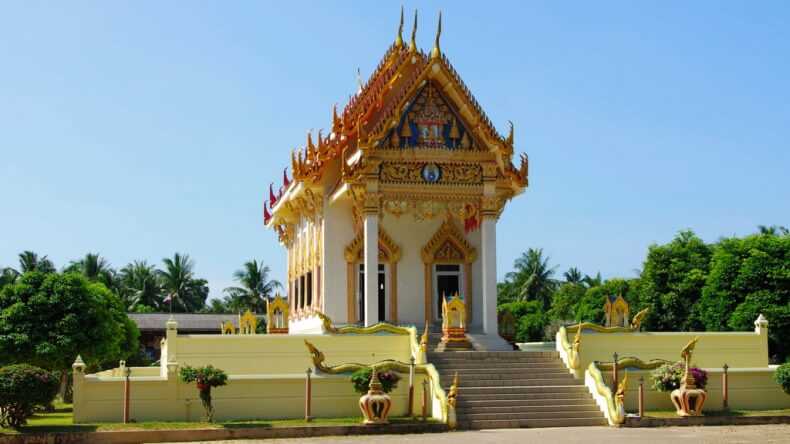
(750, 378)
(266, 378)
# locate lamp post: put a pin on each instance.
(308, 394)
(725, 388)
(614, 372)
(641, 396)
(411, 387)
(126, 393)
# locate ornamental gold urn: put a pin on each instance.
(375, 405)
(688, 399)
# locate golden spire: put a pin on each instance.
(413, 44)
(399, 38)
(436, 52)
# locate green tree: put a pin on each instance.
(216, 306)
(573, 276)
(140, 286)
(30, 261)
(565, 300)
(254, 290)
(47, 319)
(178, 282)
(532, 278)
(672, 278)
(8, 276)
(749, 276)
(593, 281)
(94, 268)
(590, 307)
(530, 319)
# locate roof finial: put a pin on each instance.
(436, 52)
(399, 38)
(413, 44)
(359, 80)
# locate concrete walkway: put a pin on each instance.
(583, 435)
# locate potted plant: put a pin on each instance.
(668, 377)
(205, 378)
(375, 403)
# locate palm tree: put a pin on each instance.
(94, 268)
(140, 286)
(573, 276)
(29, 261)
(216, 306)
(773, 230)
(256, 287)
(179, 284)
(533, 277)
(591, 281)
(8, 276)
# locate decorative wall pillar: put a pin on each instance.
(488, 259)
(371, 261)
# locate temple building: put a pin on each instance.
(410, 182)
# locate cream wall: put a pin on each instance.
(266, 379)
(714, 349)
(338, 233)
(411, 236)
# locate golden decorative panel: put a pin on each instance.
(431, 173)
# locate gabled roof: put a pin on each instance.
(379, 103)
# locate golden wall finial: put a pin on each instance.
(436, 51)
(399, 38)
(413, 44)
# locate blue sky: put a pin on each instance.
(138, 129)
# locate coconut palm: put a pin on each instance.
(593, 281)
(533, 277)
(30, 261)
(8, 276)
(184, 292)
(94, 268)
(573, 276)
(140, 286)
(254, 290)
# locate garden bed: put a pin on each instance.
(58, 427)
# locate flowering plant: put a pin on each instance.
(668, 377)
(205, 378)
(361, 380)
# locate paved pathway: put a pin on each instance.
(582, 435)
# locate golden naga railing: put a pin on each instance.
(615, 404)
(319, 361)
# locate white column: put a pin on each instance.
(488, 259)
(371, 231)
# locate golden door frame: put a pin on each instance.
(448, 246)
(389, 253)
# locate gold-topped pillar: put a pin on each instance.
(370, 223)
(489, 213)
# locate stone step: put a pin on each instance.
(492, 367)
(526, 390)
(520, 402)
(556, 414)
(532, 423)
(503, 395)
(468, 376)
(525, 370)
(557, 408)
(521, 382)
(487, 355)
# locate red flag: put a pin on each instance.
(266, 216)
(286, 182)
(272, 197)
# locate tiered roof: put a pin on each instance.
(377, 107)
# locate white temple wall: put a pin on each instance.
(338, 232)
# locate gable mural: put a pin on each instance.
(429, 122)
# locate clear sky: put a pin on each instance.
(138, 129)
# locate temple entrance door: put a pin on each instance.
(447, 282)
(382, 293)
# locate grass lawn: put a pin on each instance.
(61, 421)
(672, 414)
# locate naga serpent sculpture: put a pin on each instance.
(636, 323)
(350, 367)
(326, 322)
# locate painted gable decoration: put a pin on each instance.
(430, 122)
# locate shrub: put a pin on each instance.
(205, 378)
(782, 376)
(24, 387)
(361, 380)
(668, 377)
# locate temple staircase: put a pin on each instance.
(516, 389)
